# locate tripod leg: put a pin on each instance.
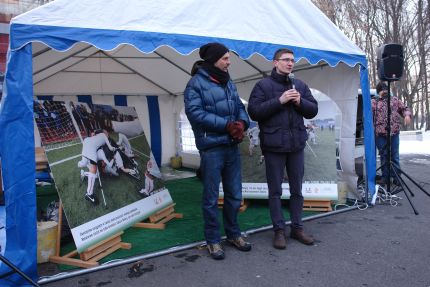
(402, 183)
(14, 268)
(413, 181)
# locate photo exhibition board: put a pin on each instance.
(102, 166)
(320, 176)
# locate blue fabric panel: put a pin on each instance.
(155, 127)
(43, 176)
(62, 38)
(85, 99)
(18, 167)
(369, 135)
(120, 100)
(45, 98)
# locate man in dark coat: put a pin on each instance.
(219, 120)
(279, 103)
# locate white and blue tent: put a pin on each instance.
(145, 49)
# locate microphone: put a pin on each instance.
(291, 77)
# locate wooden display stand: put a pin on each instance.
(41, 159)
(159, 219)
(243, 204)
(317, 205)
(90, 257)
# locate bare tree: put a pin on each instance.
(372, 23)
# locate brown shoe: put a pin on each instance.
(300, 235)
(216, 251)
(240, 243)
(279, 241)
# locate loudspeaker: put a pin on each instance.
(390, 62)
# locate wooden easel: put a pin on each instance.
(159, 219)
(41, 159)
(243, 204)
(90, 257)
(317, 205)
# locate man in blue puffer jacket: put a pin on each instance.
(279, 103)
(219, 120)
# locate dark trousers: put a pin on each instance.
(276, 163)
(382, 145)
(221, 164)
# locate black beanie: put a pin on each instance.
(381, 87)
(212, 52)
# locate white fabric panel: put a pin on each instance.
(43, 59)
(245, 89)
(141, 105)
(190, 160)
(253, 23)
(169, 134)
(84, 83)
(130, 72)
(37, 139)
(66, 99)
(161, 72)
(103, 100)
(340, 84)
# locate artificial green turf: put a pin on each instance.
(186, 193)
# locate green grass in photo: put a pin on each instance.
(118, 191)
(320, 160)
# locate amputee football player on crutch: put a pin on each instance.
(90, 146)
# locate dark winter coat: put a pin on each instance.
(209, 107)
(281, 126)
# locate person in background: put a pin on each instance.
(218, 119)
(125, 145)
(380, 121)
(279, 103)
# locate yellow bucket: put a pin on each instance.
(342, 191)
(176, 162)
(46, 240)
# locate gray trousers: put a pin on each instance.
(276, 163)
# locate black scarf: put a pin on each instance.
(217, 74)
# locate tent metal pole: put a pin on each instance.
(259, 75)
(41, 52)
(75, 63)
(172, 63)
(137, 73)
(262, 73)
(61, 60)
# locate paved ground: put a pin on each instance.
(381, 246)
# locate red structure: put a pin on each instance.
(4, 42)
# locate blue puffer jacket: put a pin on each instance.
(209, 107)
(281, 126)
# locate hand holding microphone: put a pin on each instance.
(291, 77)
(291, 95)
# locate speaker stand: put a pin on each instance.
(392, 167)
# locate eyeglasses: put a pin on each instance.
(287, 60)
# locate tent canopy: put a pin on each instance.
(147, 48)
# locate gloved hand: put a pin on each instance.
(230, 128)
(238, 134)
(236, 130)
